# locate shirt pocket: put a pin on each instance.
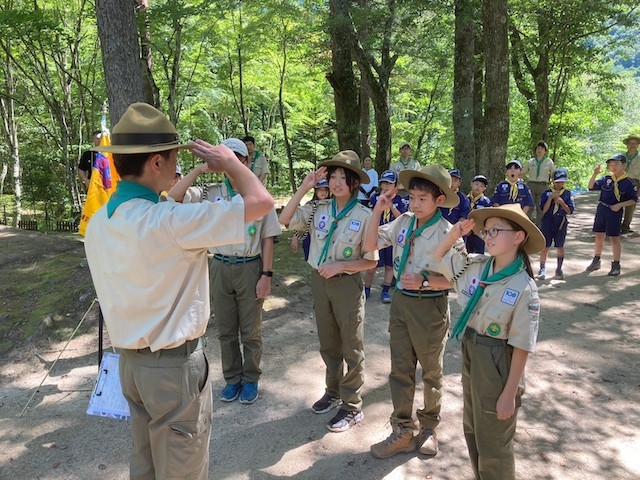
(494, 321)
(348, 245)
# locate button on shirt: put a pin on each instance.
(149, 268)
(420, 258)
(254, 232)
(347, 238)
(508, 309)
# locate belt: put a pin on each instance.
(183, 350)
(477, 338)
(425, 293)
(230, 260)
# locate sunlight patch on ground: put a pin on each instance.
(273, 303)
(628, 453)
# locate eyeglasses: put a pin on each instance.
(492, 232)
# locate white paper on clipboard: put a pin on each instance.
(107, 399)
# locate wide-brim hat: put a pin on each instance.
(631, 137)
(534, 241)
(142, 129)
(351, 161)
(437, 175)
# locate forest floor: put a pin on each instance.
(580, 417)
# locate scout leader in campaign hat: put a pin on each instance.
(143, 129)
(437, 175)
(631, 137)
(534, 241)
(351, 161)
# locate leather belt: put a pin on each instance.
(474, 337)
(425, 293)
(230, 260)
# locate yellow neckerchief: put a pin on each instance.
(474, 200)
(616, 189)
(386, 215)
(451, 209)
(555, 205)
(513, 191)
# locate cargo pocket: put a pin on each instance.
(188, 448)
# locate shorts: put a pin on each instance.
(607, 221)
(556, 237)
(386, 257)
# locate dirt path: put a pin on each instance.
(580, 417)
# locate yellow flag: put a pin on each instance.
(104, 178)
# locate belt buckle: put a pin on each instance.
(232, 260)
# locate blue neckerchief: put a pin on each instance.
(126, 191)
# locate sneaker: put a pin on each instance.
(230, 393)
(367, 292)
(625, 231)
(559, 275)
(385, 297)
(427, 442)
(400, 441)
(594, 265)
(249, 393)
(326, 403)
(344, 420)
(542, 273)
(615, 269)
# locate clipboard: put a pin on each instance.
(107, 399)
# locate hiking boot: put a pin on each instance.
(594, 265)
(427, 442)
(344, 420)
(615, 269)
(326, 403)
(542, 273)
(230, 393)
(400, 441)
(559, 275)
(385, 297)
(249, 393)
(625, 231)
(367, 292)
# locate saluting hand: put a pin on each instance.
(217, 157)
(312, 178)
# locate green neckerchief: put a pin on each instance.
(405, 164)
(508, 271)
(230, 190)
(631, 159)
(253, 161)
(539, 163)
(126, 191)
(411, 234)
(336, 218)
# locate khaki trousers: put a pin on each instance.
(485, 367)
(537, 189)
(628, 211)
(169, 395)
(338, 303)
(417, 333)
(239, 317)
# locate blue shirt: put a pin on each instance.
(502, 195)
(397, 201)
(558, 219)
(460, 211)
(482, 202)
(627, 187)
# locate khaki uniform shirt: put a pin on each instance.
(508, 309)
(254, 232)
(398, 165)
(530, 170)
(633, 167)
(149, 268)
(259, 164)
(420, 258)
(347, 238)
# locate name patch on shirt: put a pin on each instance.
(355, 225)
(510, 296)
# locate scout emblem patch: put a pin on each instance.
(494, 329)
(401, 236)
(322, 222)
(347, 252)
(252, 230)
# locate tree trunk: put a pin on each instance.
(463, 83)
(496, 111)
(283, 118)
(10, 130)
(122, 64)
(342, 77)
(151, 90)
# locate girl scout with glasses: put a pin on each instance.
(498, 328)
(337, 258)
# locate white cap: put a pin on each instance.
(237, 146)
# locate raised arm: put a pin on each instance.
(457, 231)
(180, 188)
(310, 181)
(384, 201)
(219, 158)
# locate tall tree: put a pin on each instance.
(120, 55)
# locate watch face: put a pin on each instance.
(425, 283)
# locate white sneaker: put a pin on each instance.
(344, 419)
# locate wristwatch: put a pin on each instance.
(425, 280)
(267, 273)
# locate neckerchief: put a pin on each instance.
(411, 233)
(125, 191)
(386, 215)
(539, 164)
(230, 191)
(336, 218)
(513, 191)
(405, 164)
(508, 271)
(473, 200)
(616, 188)
(631, 159)
(556, 207)
(253, 161)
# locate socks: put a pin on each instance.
(385, 287)
(560, 262)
